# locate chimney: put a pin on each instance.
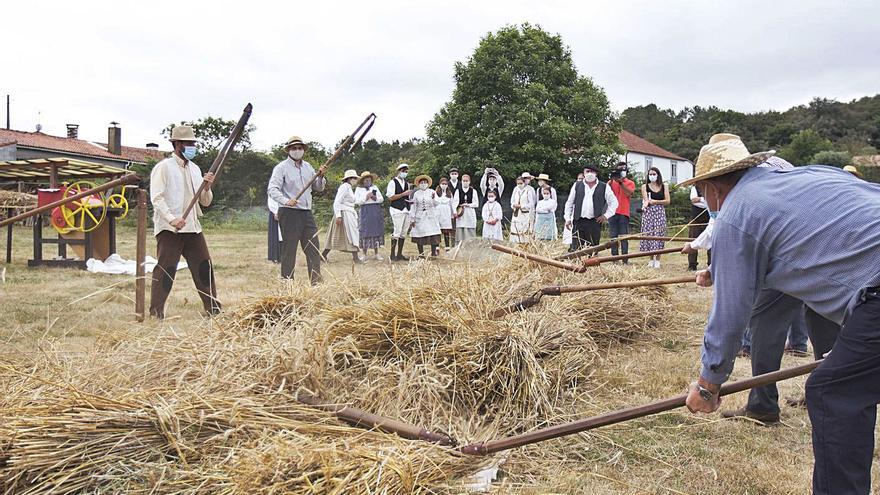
(152, 146)
(114, 139)
(73, 131)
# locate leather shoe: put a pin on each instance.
(766, 418)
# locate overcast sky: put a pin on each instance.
(318, 68)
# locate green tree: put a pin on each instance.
(804, 146)
(520, 105)
(834, 158)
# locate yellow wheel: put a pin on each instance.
(84, 214)
(118, 201)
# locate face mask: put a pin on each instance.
(542, 183)
(402, 175)
(465, 184)
(453, 176)
(491, 200)
(713, 214)
(296, 154)
(652, 177)
(622, 174)
(590, 177)
(368, 183)
(546, 196)
(443, 187)
(189, 152)
(423, 186)
(526, 181)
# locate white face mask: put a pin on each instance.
(542, 183)
(423, 186)
(443, 187)
(546, 196)
(590, 177)
(453, 176)
(491, 199)
(652, 177)
(402, 174)
(296, 154)
(622, 174)
(526, 181)
(465, 184)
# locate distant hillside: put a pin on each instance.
(835, 131)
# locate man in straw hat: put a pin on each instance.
(764, 241)
(173, 182)
(289, 179)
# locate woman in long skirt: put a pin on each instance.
(545, 222)
(423, 212)
(465, 202)
(372, 223)
(522, 201)
(344, 235)
(444, 211)
(655, 197)
(274, 232)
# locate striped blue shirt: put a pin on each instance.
(810, 232)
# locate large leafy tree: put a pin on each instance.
(519, 104)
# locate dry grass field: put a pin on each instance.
(671, 453)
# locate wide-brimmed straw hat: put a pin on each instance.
(350, 174)
(295, 140)
(182, 133)
(724, 154)
(365, 174)
(853, 170)
(526, 175)
(544, 177)
(423, 177)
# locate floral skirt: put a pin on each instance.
(653, 224)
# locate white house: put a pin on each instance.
(642, 155)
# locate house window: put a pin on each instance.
(649, 162)
(674, 166)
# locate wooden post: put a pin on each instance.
(9, 237)
(140, 282)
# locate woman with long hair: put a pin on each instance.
(655, 197)
(444, 211)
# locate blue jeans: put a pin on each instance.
(842, 397)
(619, 225)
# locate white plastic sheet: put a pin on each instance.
(117, 265)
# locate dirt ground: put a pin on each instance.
(673, 452)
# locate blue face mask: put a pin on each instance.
(713, 214)
(189, 152)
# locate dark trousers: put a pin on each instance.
(586, 232)
(298, 227)
(772, 317)
(842, 398)
(274, 244)
(169, 248)
(618, 225)
(701, 217)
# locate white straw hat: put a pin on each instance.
(295, 140)
(526, 175)
(402, 165)
(182, 133)
(350, 174)
(724, 154)
(544, 177)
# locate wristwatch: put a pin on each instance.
(705, 393)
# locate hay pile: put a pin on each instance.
(17, 199)
(213, 408)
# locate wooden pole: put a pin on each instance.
(127, 179)
(607, 259)
(140, 282)
(539, 259)
(607, 245)
(622, 415)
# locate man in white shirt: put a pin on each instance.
(590, 204)
(398, 193)
(289, 180)
(173, 182)
(700, 219)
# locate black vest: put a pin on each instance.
(465, 197)
(598, 199)
(699, 213)
(400, 203)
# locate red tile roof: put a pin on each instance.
(637, 144)
(77, 146)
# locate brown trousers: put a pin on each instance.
(170, 246)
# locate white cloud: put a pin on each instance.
(317, 68)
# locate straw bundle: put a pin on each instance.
(17, 199)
